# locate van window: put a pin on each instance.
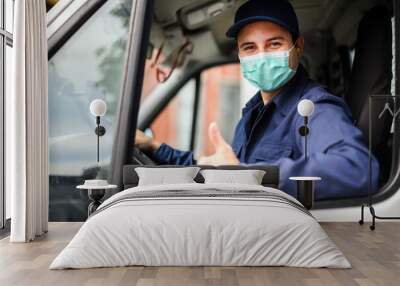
(173, 125)
(88, 66)
(221, 102)
(223, 93)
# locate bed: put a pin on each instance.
(201, 224)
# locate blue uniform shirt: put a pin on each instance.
(268, 134)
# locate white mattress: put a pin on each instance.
(189, 230)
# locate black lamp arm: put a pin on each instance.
(100, 131)
(304, 131)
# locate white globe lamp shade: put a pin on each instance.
(98, 107)
(305, 107)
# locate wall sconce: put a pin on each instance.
(98, 108)
(305, 108)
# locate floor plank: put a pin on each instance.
(374, 255)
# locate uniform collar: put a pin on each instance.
(287, 98)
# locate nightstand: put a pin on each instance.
(95, 194)
(305, 190)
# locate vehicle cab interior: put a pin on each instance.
(168, 69)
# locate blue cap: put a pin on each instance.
(280, 12)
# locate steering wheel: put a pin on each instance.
(140, 158)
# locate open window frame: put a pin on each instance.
(128, 106)
(140, 25)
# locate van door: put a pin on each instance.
(139, 32)
(87, 43)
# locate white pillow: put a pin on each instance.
(162, 176)
(248, 177)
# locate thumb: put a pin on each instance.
(216, 137)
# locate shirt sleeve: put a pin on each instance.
(337, 153)
(166, 155)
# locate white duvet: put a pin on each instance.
(190, 230)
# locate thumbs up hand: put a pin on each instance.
(223, 151)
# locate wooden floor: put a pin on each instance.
(375, 257)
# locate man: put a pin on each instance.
(270, 48)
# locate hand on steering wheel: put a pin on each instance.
(141, 158)
(144, 143)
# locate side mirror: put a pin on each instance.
(149, 132)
